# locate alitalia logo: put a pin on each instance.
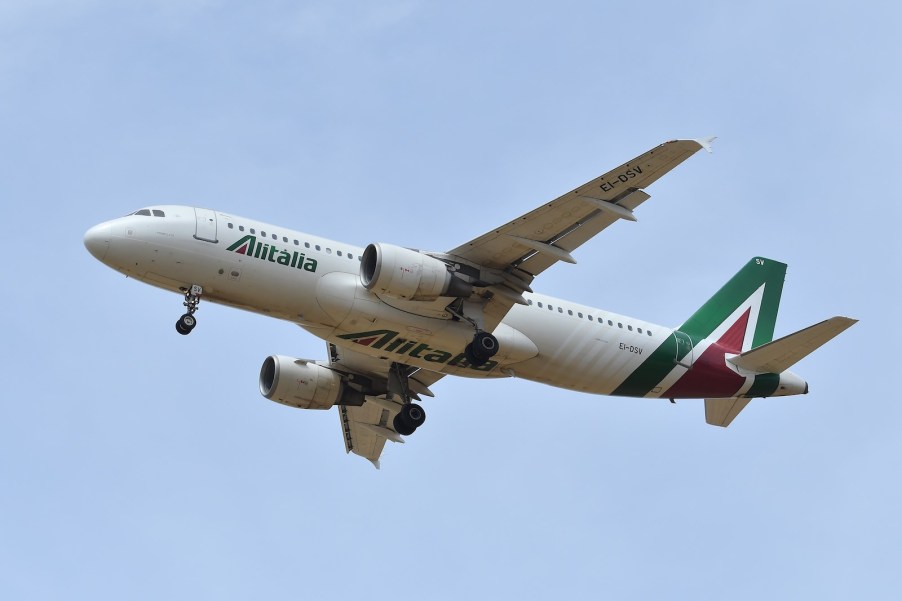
(392, 342)
(264, 251)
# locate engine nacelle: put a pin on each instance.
(408, 274)
(299, 384)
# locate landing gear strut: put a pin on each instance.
(483, 348)
(187, 321)
(411, 416)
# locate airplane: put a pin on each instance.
(396, 320)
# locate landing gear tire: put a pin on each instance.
(483, 348)
(409, 419)
(187, 321)
(185, 324)
(402, 427)
(472, 359)
(413, 414)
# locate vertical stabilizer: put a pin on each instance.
(754, 291)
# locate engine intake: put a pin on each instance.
(303, 384)
(406, 274)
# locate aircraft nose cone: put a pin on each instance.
(97, 240)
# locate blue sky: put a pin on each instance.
(137, 463)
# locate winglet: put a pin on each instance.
(706, 142)
(375, 463)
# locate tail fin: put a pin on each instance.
(753, 296)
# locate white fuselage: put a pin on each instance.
(314, 282)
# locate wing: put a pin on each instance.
(513, 254)
(536, 241)
(368, 426)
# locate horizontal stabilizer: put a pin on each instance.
(778, 356)
(720, 412)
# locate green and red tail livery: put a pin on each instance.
(740, 316)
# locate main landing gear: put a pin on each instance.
(483, 348)
(409, 419)
(187, 321)
(411, 416)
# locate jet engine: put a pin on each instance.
(304, 384)
(408, 274)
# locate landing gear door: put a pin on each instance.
(684, 350)
(206, 225)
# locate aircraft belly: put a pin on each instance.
(380, 330)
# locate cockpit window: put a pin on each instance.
(149, 212)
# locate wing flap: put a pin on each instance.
(358, 426)
(779, 355)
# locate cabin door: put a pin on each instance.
(206, 225)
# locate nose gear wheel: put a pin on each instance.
(186, 322)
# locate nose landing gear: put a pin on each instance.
(186, 322)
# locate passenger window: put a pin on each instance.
(540, 304)
(580, 315)
(231, 226)
(252, 231)
(306, 245)
(648, 332)
(240, 228)
(285, 239)
(328, 251)
(639, 330)
(610, 323)
(338, 252)
(262, 233)
(630, 328)
(350, 256)
(619, 325)
(569, 312)
(317, 247)
(590, 318)
(274, 237)
(296, 243)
